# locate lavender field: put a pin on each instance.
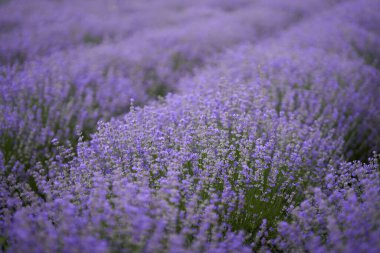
(189, 126)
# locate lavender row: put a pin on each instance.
(325, 69)
(184, 176)
(51, 96)
(33, 29)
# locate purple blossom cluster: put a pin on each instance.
(264, 107)
(342, 215)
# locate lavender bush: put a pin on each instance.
(273, 100)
